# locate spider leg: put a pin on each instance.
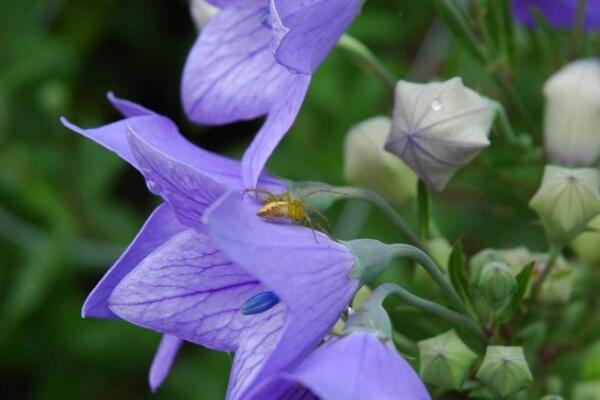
(313, 192)
(270, 196)
(310, 224)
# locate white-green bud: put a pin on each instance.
(445, 361)
(438, 128)
(367, 164)
(572, 113)
(586, 245)
(566, 201)
(202, 11)
(496, 283)
(504, 370)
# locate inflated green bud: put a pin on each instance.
(567, 201)
(445, 361)
(366, 163)
(587, 390)
(586, 245)
(552, 397)
(504, 370)
(496, 283)
(479, 260)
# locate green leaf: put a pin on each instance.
(518, 295)
(456, 267)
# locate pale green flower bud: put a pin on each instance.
(438, 128)
(504, 370)
(445, 361)
(479, 260)
(572, 113)
(587, 390)
(202, 11)
(496, 283)
(586, 245)
(552, 397)
(367, 164)
(566, 201)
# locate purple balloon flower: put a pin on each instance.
(559, 13)
(359, 366)
(256, 57)
(204, 253)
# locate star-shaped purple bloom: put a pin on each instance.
(204, 253)
(359, 366)
(559, 13)
(256, 57)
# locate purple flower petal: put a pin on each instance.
(128, 108)
(559, 13)
(309, 272)
(278, 122)
(187, 190)
(304, 32)
(230, 73)
(357, 367)
(163, 360)
(162, 134)
(189, 289)
(159, 228)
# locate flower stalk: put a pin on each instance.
(455, 318)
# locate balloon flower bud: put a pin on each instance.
(366, 163)
(566, 201)
(586, 246)
(479, 260)
(572, 114)
(438, 127)
(445, 361)
(202, 12)
(496, 283)
(504, 370)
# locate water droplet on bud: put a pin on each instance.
(436, 105)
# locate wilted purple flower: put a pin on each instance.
(359, 366)
(257, 57)
(204, 253)
(559, 13)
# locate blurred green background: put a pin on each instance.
(68, 207)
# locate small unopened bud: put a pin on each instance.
(480, 259)
(445, 361)
(558, 286)
(566, 201)
(367, 164)
(438, 128)
(586, 245)
(202, 12)
(496, 283)
(572, 114)
(504, 370)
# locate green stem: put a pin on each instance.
(366, 59)
(453, 317)
(506, 129)
(424, 210)
(383, 206)
(404, 344)
(555, 251)
(421, 258)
